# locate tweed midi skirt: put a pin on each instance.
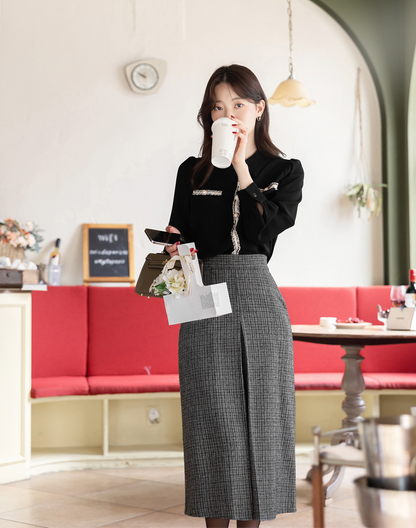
(238, 398)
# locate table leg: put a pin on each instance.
(353, 405)
(353, 385)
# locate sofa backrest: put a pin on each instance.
(129, 334)
(384, 358)
(306, 306)
(59, 331)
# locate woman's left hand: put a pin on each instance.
(239, 157)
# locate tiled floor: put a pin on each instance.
(142, 498)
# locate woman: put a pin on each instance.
(236, 371)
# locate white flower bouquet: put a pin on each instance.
(172, 281)
(24, 236)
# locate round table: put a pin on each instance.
(352, 341)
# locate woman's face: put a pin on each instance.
(228, 103)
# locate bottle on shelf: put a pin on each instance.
(410, 301)
(55, 257)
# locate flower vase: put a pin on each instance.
(7, 250)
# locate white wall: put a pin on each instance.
(78, 146)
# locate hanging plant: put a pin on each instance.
(362, 194)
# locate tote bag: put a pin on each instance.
(202, 302)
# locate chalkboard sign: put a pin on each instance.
(108, 253)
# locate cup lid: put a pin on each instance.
(221, 120)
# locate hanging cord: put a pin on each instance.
(360, 117)
(362, 172)
(289, 12)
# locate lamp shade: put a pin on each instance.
(290, 93)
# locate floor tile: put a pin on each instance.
(172, 475)
(125, 498)
(299, 508)
(303, 491)
(73, 512)
(73, 482)
(12, 524)
(347, 487)
(13, 498)
(348, 503)
(142, 494)
(302, 470)
(161, 520)
(333, 519)
(178, 509)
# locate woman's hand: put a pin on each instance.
(173, 249)
(239, 157)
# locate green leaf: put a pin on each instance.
(355, 190)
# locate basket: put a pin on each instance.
(7, 250)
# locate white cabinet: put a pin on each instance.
(15, 385)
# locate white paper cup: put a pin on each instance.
(223, 142)
(328, 322)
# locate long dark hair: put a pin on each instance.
(247, 86)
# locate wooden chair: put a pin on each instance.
(331, 458)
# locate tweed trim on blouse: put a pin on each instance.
(206, 192)
(236, 215)
(273, 185)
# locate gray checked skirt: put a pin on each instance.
(238, 398)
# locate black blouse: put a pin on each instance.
(222, 219)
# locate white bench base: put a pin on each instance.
(117, 419)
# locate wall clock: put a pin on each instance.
(146, 76)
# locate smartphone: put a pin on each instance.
(163, 237)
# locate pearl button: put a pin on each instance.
(255, 195)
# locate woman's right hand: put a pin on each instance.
(173, 249)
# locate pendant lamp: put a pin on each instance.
(291, 92)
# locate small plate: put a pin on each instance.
(351, 326)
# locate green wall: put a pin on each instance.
(385, 33)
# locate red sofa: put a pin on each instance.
(98, 340)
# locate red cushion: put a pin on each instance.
(383, 358)
(396, 380)
(129, 334)
(367, 299)
(125, 384)
(306, 306)
(59, 331)
(59, 386)
(326, 381)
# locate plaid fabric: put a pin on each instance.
(238, 399)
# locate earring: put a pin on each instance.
(259, 118)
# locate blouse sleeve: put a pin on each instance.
(180, 215)
(279, 200)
